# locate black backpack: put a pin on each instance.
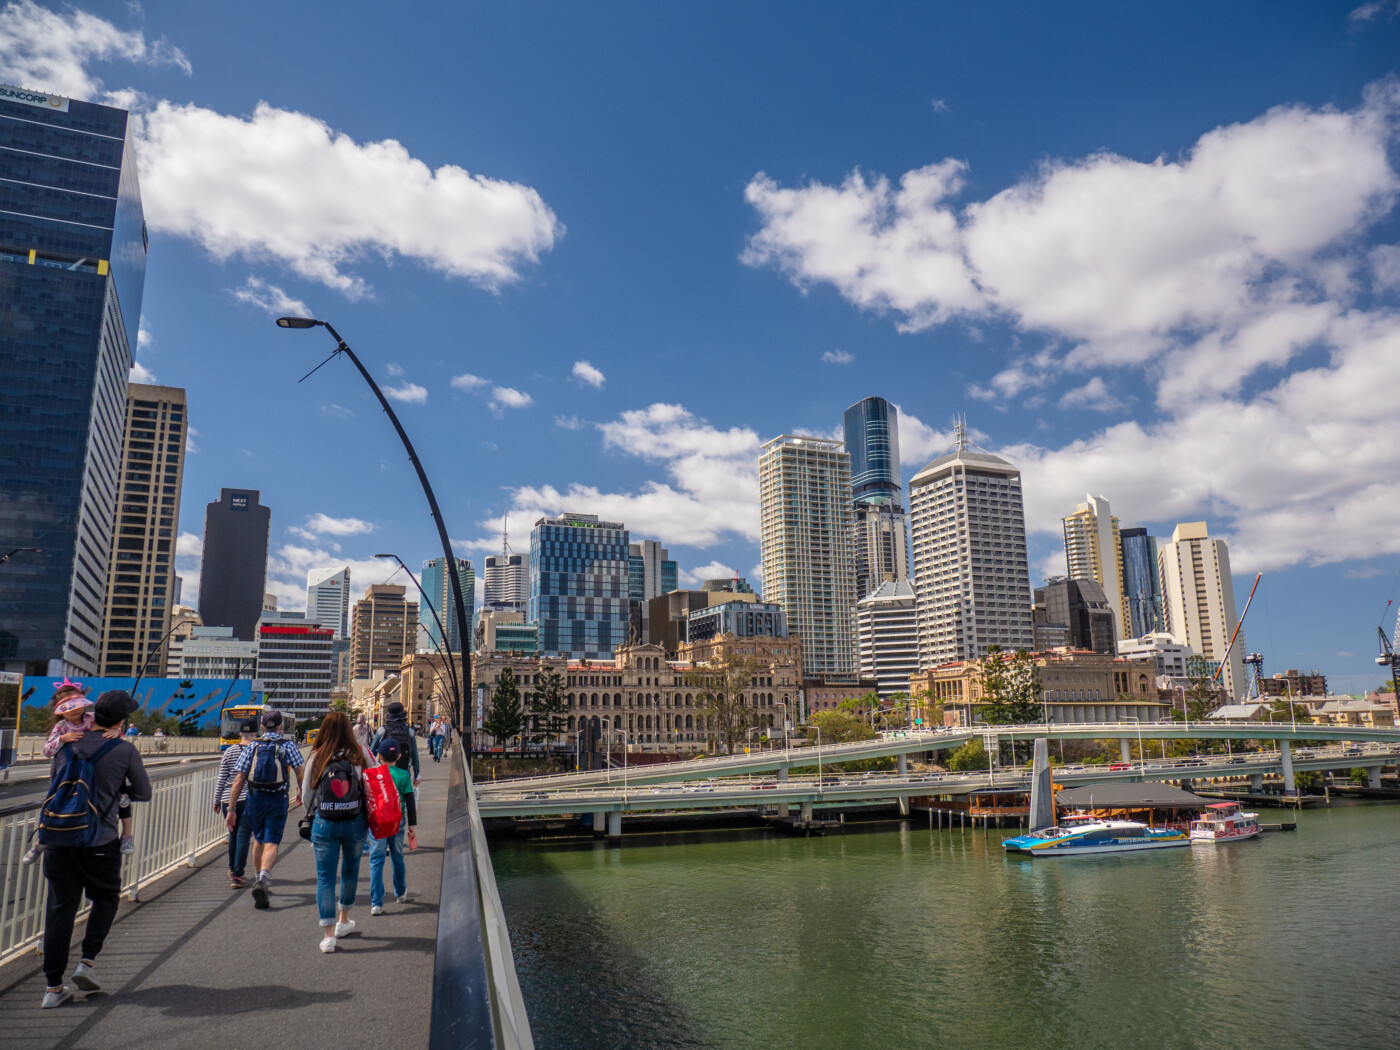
(403, 736)
(339, 793)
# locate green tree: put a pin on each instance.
(969, 758)
(547, 705)
(840, 727)
(1010, 688)
(1307, 781)
(1202, 692)
(504, 718)
(719, 693)
(861, 706)
(995, 687)
(1360, 776)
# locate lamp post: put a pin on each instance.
(819, 758)
(1142, 757)
(17, 550)
(460, 713)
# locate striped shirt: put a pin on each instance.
(224, 780)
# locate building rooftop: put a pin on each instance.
(889, 591)
(966, 458)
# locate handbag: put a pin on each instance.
(304, 826)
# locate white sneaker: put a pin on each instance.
(401, 898)
(328, 944)
(86, 978)
(345, 928)
(377, 909)
(58, 998)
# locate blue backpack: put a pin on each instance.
(266, 772)
(69, 816)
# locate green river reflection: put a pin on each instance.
(895, 937)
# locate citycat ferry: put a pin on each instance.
(1081, 837)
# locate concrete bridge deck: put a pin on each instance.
(193, 964)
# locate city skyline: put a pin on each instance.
(1134, 399)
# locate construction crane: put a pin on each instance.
(1388, 658)
(1254, 689)
(1234, 637)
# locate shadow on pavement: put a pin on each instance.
(188, 1000)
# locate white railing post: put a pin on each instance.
(193, 814)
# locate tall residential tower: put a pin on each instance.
(804, 494)
(1200, 598)
(1094, 551)
(328, 599)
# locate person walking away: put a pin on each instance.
(241, 833)
(72, 717)
(335, 794)
(393, 846)
(396, 727)
(364, 733)
(265, 768)
(92, 864)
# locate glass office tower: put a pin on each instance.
(880, 534)
(438, 588)
(72, 270)
(1142, 583)
(578, 586)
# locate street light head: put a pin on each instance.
(386, 555)
(297, 322)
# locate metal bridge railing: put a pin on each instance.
(476, 997)
(171, 830)
(30, 746)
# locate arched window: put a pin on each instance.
(571, 699)
(569, 728)
(689, 722)
(595, 700)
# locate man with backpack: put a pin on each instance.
(396, 728)
(265, 768)
(82, 853)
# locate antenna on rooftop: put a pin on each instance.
(505, 537)
(960, 433)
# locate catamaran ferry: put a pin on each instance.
(1080, 838)
(1223, 822)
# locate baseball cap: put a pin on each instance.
(113, 706)
(389, 749)
(272, 719)
(248, 725)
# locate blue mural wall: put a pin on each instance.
(188, 699)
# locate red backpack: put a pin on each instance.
(382, 798)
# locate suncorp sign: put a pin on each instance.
(9, 93)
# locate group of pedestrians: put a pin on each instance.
(358, 792)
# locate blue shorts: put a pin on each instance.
(266, 814)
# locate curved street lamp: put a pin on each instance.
(449, 665)
(459, 712)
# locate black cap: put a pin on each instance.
(112, 707)
(248, 725)
(389, 749)
(396, 709)
(272, 719)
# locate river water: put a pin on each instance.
(894, 936)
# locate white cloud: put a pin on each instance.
(288, 565)
(144, 339)
(1093, 395)
(189, 556)
(408, 394)
(49, 51)
(286, 186)
(271, 299)
(940, 106)
(337, 412)
(325, 525)
(586, 373)
(508, 397)
(190, 447)
(141, 374)
(467, 381)
(393, 369)
(838, 357)
(568, 422)
(715, 570)
(1368, 11)
(919, 442)
(1385, 264)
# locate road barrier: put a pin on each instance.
(171, 830)
(30, 747)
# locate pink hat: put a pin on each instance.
(73, 703)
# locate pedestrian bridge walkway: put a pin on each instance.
(193, 964)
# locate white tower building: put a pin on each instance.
(1199, 598)
(328, 599)
(1094, 551)
(887, 636)
(804, 493)
(971, 581)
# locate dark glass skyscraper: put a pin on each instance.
(578, 586)
(72, 270)
(234, 567)
(880, 539)
(438, 588)
(1142, 583)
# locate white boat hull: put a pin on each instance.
(1117, 847)
(1209, 838)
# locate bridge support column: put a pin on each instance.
(806, 812)
(1373, 776)
(600, 823)
(904, 771)
(1285, 754)
(615, 825)
(1256, 783)
(904, 799)
(1125, 749)
(783, 809)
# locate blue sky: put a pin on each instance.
(603, 251)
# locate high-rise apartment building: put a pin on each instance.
(234, 566)
(1200, 598)
(141, 573)
(383, 629)
(650, 571)
(880, 533)
(1142, 583)
(507, 581)
(578, 586)
(1094, 551)
(804, 494)
(328, 599)
(971, 581)
(72, 270)
(887, 636)
(437, 585)
(296, 664)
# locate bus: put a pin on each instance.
(233, 716)
(11, 689)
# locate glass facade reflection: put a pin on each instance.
(438, 588)
(1142, 582)
(872, 439)
(72, 269)
(579, 586)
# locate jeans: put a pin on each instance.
(73, 871)
(238, 840)
(337, 843)
(435, 746)
(393, 846)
